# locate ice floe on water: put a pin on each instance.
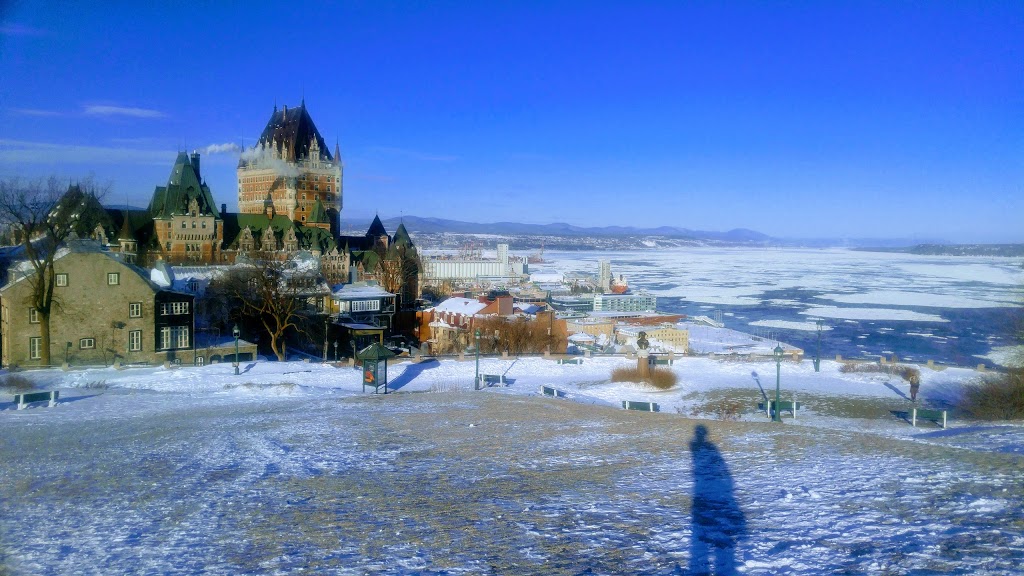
(790, 325)
(872, 314)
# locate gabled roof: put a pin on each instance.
(402, 235)
(377, 228)
(457, 305)
(234, 223)
(183, 186)
(318, 215)
(294, 128)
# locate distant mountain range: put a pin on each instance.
(440, 225)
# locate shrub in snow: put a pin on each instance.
(660, 379)
(16, 383)
(909, 373)
(998, 397)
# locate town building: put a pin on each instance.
(666, 337)
(639, 302)
(474, 268)
(290, 172)
(109, 311)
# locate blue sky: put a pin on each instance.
(796, 119)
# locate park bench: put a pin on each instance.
(642, 406)
(937, 416)
(662, 361)
(23, 400)
(791, 406)
(570, 361)
(553, 392)
(491, 379)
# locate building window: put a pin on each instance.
(365, 305)
(193, 223)
(35, 348)
(328, 197)
(204, 223)
(303, 218)
(113, 278)
(135, 310)
(173, 308)
(174, 337)
(62, 279)
(316, 187)
(193, 285)
(328, 187)
(135, 340)
(87, 343)
(33, 316)
(183, 224)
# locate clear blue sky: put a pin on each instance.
(796, 119)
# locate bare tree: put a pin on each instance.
(274, 292)
(40, 216)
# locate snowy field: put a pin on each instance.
(290, 468)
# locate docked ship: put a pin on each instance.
(619, 285)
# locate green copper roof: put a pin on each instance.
(183, 186)
(402, 235)
(318, 215)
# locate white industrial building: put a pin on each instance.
(504, 267)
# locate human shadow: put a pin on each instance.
(718, 522)
(411, 372)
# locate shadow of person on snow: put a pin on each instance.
(411, 372)
(718, 522)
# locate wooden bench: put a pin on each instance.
(791, 406)
(490, 379)
(937, 416)
(23, 400)
(553, 392)
(642, 406)
(576, 361)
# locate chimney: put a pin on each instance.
(223, 209)
(195, 164)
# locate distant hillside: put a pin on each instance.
(1012, 250)
(440, 225)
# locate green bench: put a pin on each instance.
(23, 400)
(662, 361)
(576, 361)
(791, 406)
(642, 406)
(937, 416)
(553, 392)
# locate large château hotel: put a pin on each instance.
(290, 172)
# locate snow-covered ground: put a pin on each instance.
(290, 467)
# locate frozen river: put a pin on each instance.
(949, 309)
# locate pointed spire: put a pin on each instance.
(337, 151)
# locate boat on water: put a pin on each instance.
(619, 285)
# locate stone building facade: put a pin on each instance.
(290, 172)
(109, 311)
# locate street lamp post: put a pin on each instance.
(335, 350)
(817, 355)
(235, 332)
(476, 382)
(777, 416)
